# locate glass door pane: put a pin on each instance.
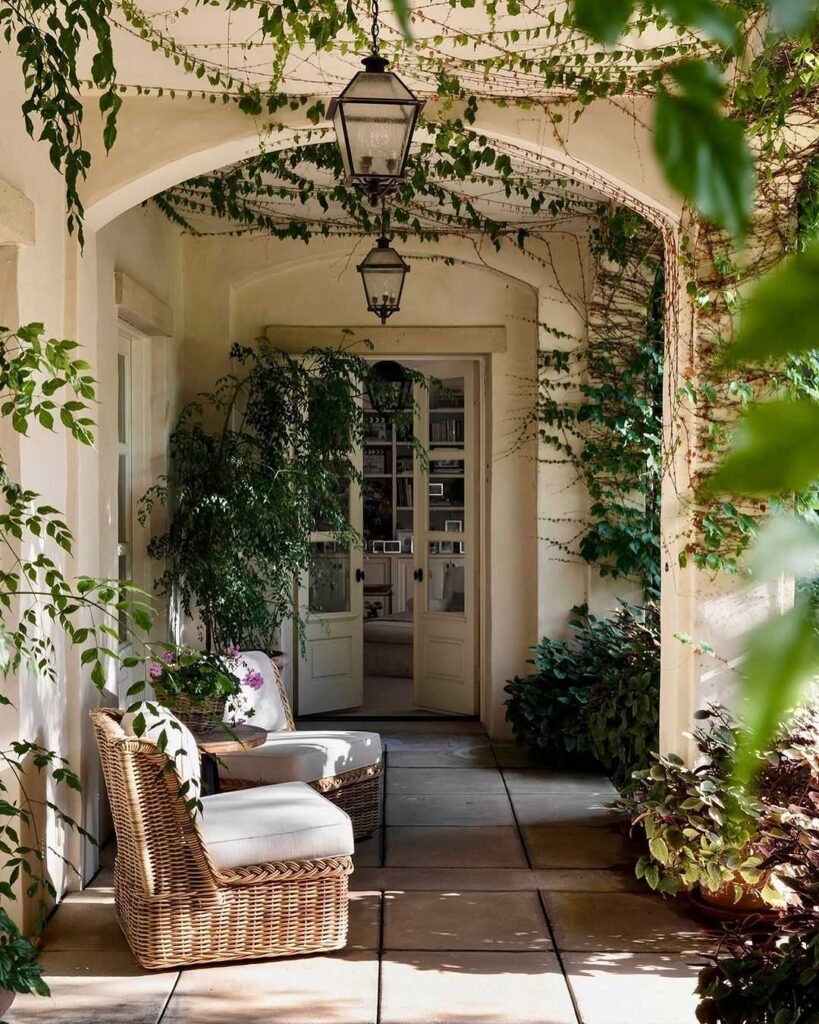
(329, 579)
(445, 577)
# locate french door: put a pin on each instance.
(330, 672)
(444, 534)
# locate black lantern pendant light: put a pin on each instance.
(383, 271)
(389, 388)
(374, 118)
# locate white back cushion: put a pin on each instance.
(266, 702)
(180, 744)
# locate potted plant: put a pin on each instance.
(257, 465)
(19, 970)
(195, 685)
(730, 851)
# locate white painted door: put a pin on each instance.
(445, 536)
(331, 661)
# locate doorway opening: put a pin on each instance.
(409, 625)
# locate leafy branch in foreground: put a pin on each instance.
(49, 36)
(43, 384)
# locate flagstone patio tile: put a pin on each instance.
(437, 847)
(624, 923)
(553, 846)
(368, 851)
(365, 920)
(91, 989)
(339, 989)
(496, 879)
(510, 755)
(469, 755)
(484, 988)
(627, 988)
(566, 808)
(445, 781)
(85, 921)
(466, 810)
(479, 921)
(545, 781)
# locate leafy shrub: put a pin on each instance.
(594, 699)
(19, 970)
(775, 982)
(704, 829)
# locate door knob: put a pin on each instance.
(418, 575)
(359, 575)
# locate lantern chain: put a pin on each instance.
(375, 28)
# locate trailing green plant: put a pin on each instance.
(594, 699)
(256, 467)
(48, 36)
(599, 405)
(41, 610)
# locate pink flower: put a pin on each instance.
(155, 670)
(169, 656)
(234, 651)
(254, 680)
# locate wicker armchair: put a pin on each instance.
(177, 901)
(344, 766)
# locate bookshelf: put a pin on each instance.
(388, 480)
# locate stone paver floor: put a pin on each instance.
(495, 893)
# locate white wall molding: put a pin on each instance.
(16, 217)
(141, 308)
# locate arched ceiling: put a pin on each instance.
(505, 55)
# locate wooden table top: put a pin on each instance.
(218, 741)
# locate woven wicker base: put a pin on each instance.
(272, 919)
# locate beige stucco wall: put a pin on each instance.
(45, 278)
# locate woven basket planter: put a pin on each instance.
(199, 714)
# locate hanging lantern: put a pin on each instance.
(383, 271)
(374, 118)
(389, 387)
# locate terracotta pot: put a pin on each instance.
(6, 999)
(721, 907)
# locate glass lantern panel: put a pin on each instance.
(445, 577)
(383, 288)
(377, 136)
(329, 582)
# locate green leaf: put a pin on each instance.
(791, 16)
(782, 657)
(402, 11)
(781, 315)
(703, 153)
(658, 849)
(774, 450)
(719, 21)
(603, 20)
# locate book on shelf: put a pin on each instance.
(404, 493)
(448, 431)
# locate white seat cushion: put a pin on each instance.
(179, 742)
(304, 756)
(273, 823)
(265, 702)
